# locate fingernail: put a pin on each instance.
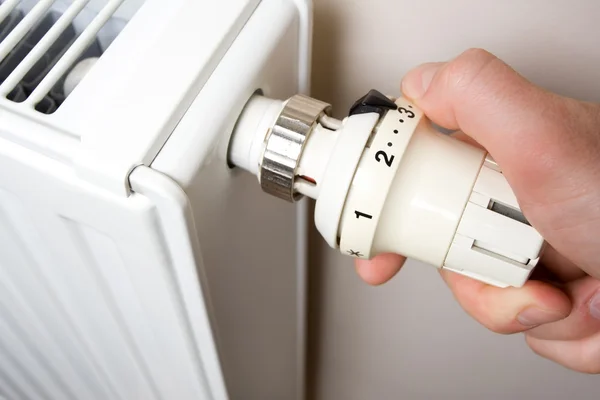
(595, 306)
(417, 81)
(534, 316)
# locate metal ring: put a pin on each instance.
(285, 143)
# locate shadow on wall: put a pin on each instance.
(326, 57)
(325, 83)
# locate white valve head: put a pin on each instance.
(385, 180)
(430, 197)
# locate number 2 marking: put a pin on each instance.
(383, 154)
(409, 113)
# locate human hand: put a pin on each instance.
(548, 148)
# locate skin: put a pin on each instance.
(548, 147)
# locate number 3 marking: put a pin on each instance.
(409, 113)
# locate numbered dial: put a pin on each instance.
(373, 178)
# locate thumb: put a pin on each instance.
(548, 146)
(526, 129)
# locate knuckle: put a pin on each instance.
(476, 53)
(474, 58)
(463, 72)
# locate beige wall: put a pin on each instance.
(408, 339)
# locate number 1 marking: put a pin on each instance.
(359, 214)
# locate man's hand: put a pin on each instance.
(548, 147)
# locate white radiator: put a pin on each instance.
(134, 263)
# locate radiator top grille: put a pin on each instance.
(42, 41)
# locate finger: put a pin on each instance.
(584, 318)
(561, 268)
(380, 269)
(579, 355)
(525, 128)
(508, 310)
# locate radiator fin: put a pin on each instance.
(41, 44)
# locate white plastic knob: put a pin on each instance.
(433, 198)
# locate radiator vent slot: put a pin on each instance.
(41, 41)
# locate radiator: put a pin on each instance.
(135, 263)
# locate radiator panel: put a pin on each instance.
(31, 305)
(91, 302)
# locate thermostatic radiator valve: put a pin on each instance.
(386, 181)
